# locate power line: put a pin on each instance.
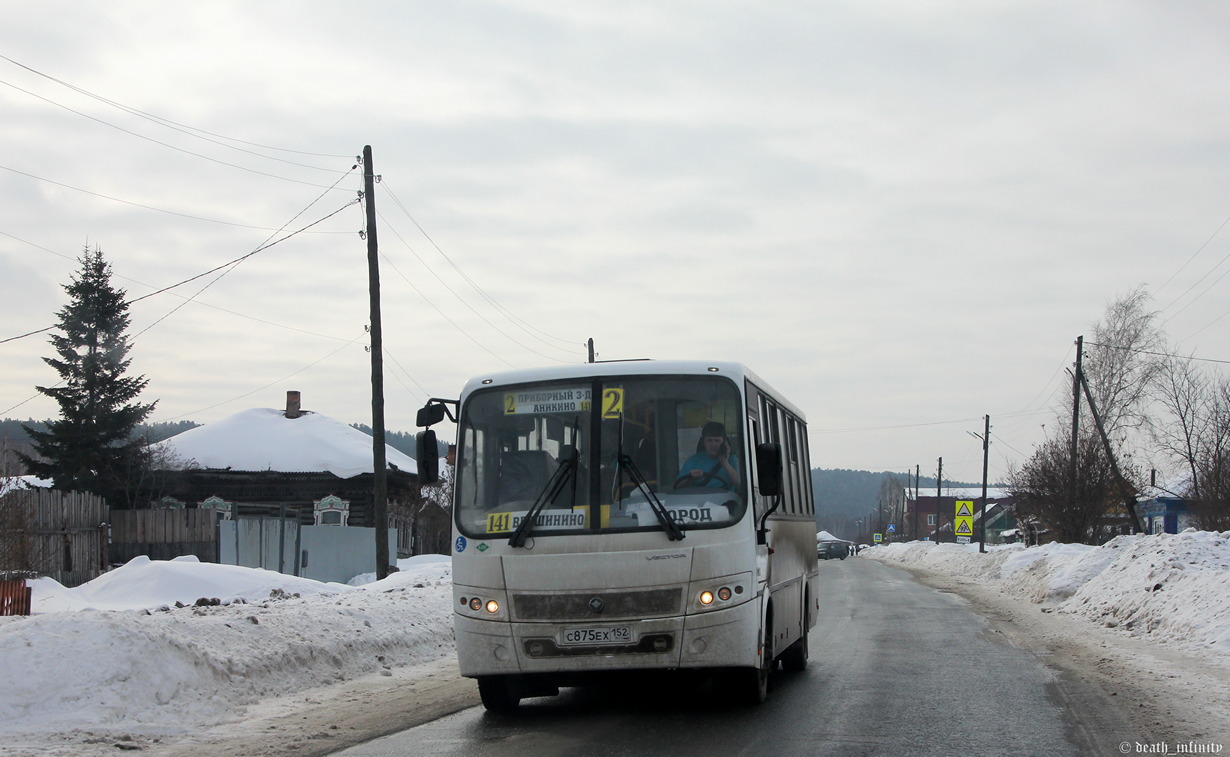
(180, 149)
(198, 302)
(139, 205)
(1188, 262)
(521, 323)
(271, 383)
(1157, 354)
(169, 123)
(484, 318)
(240, 260)
(444, 315)
(234, 262)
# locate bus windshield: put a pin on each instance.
(624, 453)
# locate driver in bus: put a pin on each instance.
(713, 465)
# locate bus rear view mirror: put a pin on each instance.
(769, 469)
(427, 453)
(430, 415)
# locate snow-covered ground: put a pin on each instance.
(130, 657)
(1170, 588)
(116, 663)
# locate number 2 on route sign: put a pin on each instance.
(612, 402)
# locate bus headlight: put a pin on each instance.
(476, 604)
(492, 606)
(714, 599)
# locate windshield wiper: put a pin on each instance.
(674, 531)
(567, 469)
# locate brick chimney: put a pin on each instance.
(292, 405)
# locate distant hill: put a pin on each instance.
(851, 493)
(11, 429)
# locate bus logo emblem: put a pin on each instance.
(596, 605)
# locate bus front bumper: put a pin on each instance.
(717, 639)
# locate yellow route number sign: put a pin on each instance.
(612, 402)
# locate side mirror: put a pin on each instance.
(427, 454)
(430, 415)
(769, 469)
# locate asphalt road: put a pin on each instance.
(897, 668)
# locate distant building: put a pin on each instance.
(930, 517)
(1163, 513)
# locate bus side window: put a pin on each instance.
(796, 473)
(809, 494)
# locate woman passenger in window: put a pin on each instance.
(713, 464)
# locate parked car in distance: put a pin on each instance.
(826, 550)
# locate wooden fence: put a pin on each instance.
(14, 597)
(51, 533)
(164, 534)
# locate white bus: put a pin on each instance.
(628, 516)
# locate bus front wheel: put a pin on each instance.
(794, 658)
(499, 693)
(754, 682)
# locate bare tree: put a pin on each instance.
(1122, 361)
(1194, 432)
(1043, 487)
(1121, 365)
(1185, 394)
(1211, 482)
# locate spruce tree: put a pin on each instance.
(90, 447)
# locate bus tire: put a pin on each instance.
(794, 659)
(754, 682)
(499, 693)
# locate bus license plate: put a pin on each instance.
(607, 635)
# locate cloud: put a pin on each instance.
(896, 214)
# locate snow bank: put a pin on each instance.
(117, 653)
(1167, 587)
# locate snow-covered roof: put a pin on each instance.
(261, 439)
(23, 482)
(963, 492)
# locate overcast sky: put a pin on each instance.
(900, 214)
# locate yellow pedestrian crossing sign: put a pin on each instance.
(965, 507)
(964, 526)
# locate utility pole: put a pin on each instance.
(917, 472)
(982, 517)
(939, 483)
(1129, 496)
(900, 517)
(1076, 418)
(380, 491)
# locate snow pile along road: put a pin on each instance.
(137, 661)
(1163, 587)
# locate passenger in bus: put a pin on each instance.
(713, 465)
